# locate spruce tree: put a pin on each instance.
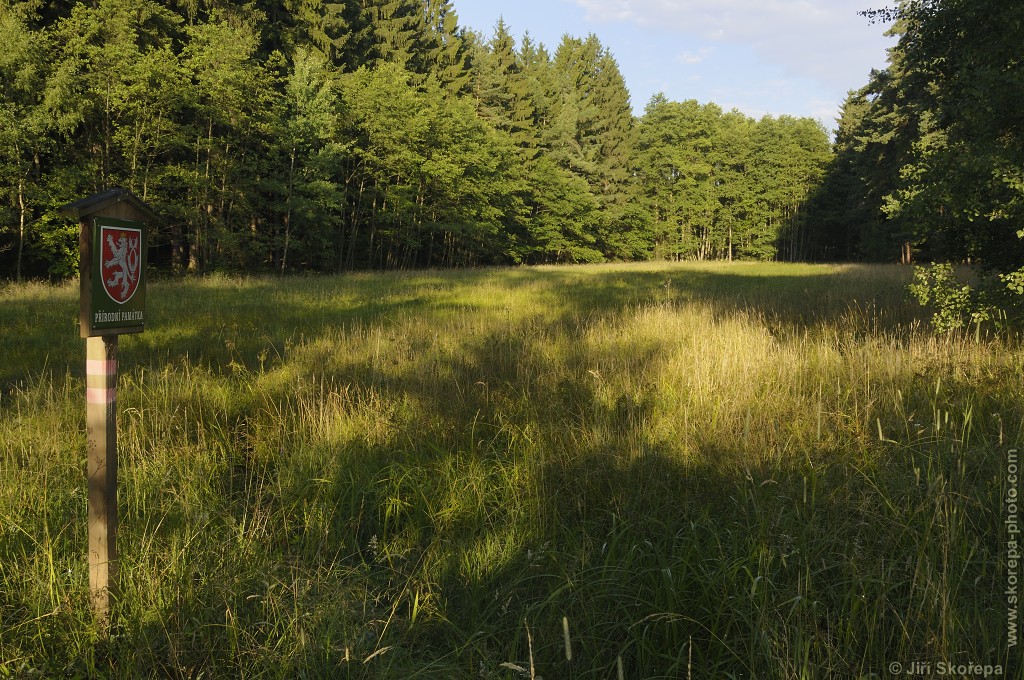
(319, 24)
(593, 133)
(502, 91)
(384, 31)
(443, 54)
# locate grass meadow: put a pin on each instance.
(630, 471)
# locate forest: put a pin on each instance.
(660, 465)
(928, 160)
(318, 136)
(307, 135)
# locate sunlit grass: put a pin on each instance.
(767, 471)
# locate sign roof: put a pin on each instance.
(90, 205)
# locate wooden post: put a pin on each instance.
(101, 413)
(113, 252)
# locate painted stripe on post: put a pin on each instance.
(100, 367)
(101, 395)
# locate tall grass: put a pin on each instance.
(654, 471)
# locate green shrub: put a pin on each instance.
(995, 300)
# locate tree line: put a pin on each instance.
(329, 136)
(929, 156)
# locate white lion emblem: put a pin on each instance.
(126, 259)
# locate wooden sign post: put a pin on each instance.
(113, 230)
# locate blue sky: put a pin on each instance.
(796, 57)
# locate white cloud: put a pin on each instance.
(824, 40)
(693, 58)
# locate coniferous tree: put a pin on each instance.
(306, 134)
(621, 230)
(880, 125)
(560, 207)
(841, 207)
(594, 136)
(314, 24)
(444, 53)
(501, 89)
(391, 31)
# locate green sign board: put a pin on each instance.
(115, 299)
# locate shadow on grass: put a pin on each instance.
(492, 506)
(722, 561)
